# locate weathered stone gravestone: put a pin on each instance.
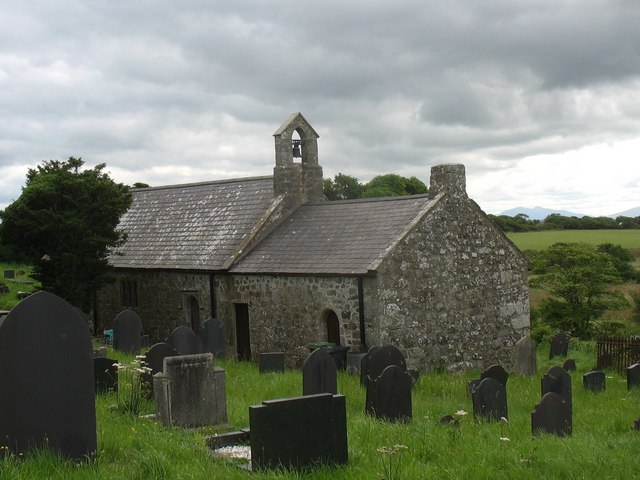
(105, 374)
(557, 380)
(594, 380)
(497, 372)
(46, 379)
(364, 365)
(190, 391)
(127, 328)
(633, 376)
(299, 433)
(185, 341)
(100, 352)
(388, 397)
(489, 399)
(213, 338)
(9, 274)
(319, 373)
(154, 359)
(552, 415)
(559, 345)
(524, 357)
(569, 365)
(271, 362)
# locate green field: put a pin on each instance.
(541, 240)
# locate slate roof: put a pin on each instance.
(344, 237)
(196, 226)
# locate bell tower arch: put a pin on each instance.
(300, 181)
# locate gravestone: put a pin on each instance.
(154, 359)
(9, 274)
(633, 376)
(299, 433)
(190, 391)
(497, 372)
(388, 397)
(524, 357)
(100, 352)
(382, 358)
(271, 362)
(557, 380)
(354, 362)
(105, 374)
(552, 415)
(490, 400)
(319, 373)
(594, 380)
(569, 365)
(47, 398)
(559, 345)
(144, 341)
(213, 338)
(364, 365)
(127, 328)
(185, 341)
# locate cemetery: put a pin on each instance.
(206, 417)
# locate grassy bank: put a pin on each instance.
(22, 282)
(602, 445)
(544, 239)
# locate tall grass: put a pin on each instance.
(603, 444)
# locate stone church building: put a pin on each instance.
(281, 267)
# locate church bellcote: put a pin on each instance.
(297, 173)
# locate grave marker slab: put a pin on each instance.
(594, 381)
(154, 359)
(490, 400)
(213, 338)
(384, 357)
(299, 433)
(552, 415)
(557, 380)
(185, 341)
(497, 372)
(569, 365)
(9, 274)
(633, 376)
(388, 397)
(271, 362)
(319, 373)
(46, 379)
(105, 374)
(559, 345)
(364, 365)
(524, 357)
(127, 328)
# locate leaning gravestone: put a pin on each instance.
(185, 341)
(46, 379)
(271, 362)
(213, 339)
(497, 372)
(490, 400)
(154, 359)
(127, 328)
(384, 357)
(190, 391)
(524, 357)
(559, 345)
(299, 433)
(594, 380)
(389, 396)
(105, 374)
(552, 415)
(319, 373)
(633, 376)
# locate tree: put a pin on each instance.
(64, 224)
(578, 277)
(393, 185)
(342, 187)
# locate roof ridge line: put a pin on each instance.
(209, 182)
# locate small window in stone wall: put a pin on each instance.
(129, 292)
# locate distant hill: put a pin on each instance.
(539, 213)
(632, 212)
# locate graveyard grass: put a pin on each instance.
(21, 283)
(602, 446)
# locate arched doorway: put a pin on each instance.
(194, 314)
(333, 327)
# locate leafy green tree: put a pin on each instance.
(64, 224)
(621, 259)
(393, 185)
(342, 187)
(578, 277)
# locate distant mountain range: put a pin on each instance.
(540, 213)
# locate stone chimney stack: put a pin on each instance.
(448, 178)
(300, 181)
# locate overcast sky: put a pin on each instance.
(539, 99)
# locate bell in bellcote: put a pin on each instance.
(296, 148)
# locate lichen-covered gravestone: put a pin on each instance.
(47, 388)
(524, 357)
(213, 338)
(490, 400)
(388, 397)
(127, 328)
(185, 341)
(319, 373)
(552, 415)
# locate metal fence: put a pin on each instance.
(618, 353)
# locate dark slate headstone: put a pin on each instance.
(154, 359)
(559, 345)
(46, 379)
(594, 380)
(9, 274)
(552, 415)
(299, 433)
(319, 373)
(633, 376)
(271, 362)
(384, 357)
(213, 338)
(144, 341)
(389, 396)
(127, 328)
(497, 372)
(490, 400)
(185, 341)
(569, 365)
(557, 380)
(105, 374)
(364, 365)
(524, 356)
(472, 384)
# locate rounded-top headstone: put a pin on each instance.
(385, 357)
(185, 341)
(213, 338)
(319, 373)
(497, 372)
(127, 328)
